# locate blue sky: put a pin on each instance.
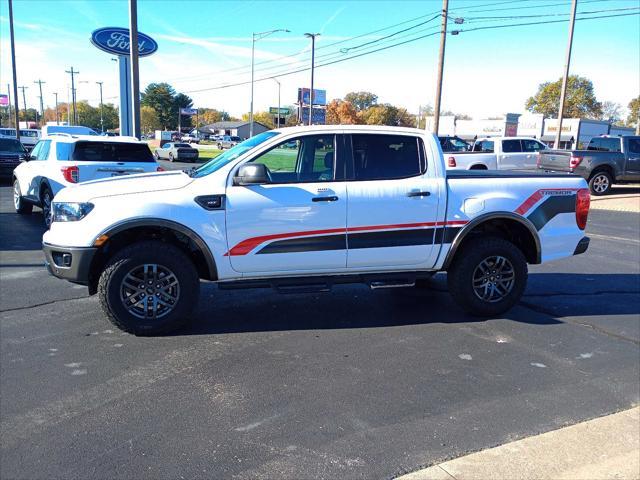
(207, 44)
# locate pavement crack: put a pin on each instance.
(51, 302)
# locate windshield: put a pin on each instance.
(10, 145)
(233, 153)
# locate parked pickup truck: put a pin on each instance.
(607, 160)
(498, 153)
(347, 204)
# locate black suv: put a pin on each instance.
(12, 152)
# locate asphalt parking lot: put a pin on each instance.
(351, 384)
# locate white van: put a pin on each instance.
(28, 136)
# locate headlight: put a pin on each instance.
(70, 212)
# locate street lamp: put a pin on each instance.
(312, 36)
(101, 118)
(254, 38)
(276, 80)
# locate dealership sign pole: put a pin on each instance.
(115, 40)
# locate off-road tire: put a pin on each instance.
(460, 275)
(22, 207)
(600, 183)
(148, 252)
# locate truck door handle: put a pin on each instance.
(332, 198)
(418, 194)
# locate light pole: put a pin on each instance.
(73, 72)
(13, 73)
(24, 103)
(278, 117)
(254, 38)
(101, 118)
(40, 82)
(312, 36)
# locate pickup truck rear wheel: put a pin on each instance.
(487, 276)
(149, 288)
(600, 183)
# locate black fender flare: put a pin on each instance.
(171, 225)
(457, 241)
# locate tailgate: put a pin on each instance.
(556, 160)
(88, 171)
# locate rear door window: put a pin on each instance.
(485, 146)
(511, 146)
(386, 157)
(634, 145)
(532, 146)
(611, 144)
(112, 152)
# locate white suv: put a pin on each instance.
(61, 160)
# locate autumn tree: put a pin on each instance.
(149, 120)
(580, 100)
(341, 112)
(385, 114)
(634, 112)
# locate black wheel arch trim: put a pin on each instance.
(171, 225)
(457, 241)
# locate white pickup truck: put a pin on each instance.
(302, 209)
(498, 153)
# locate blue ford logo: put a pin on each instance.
(115, 40)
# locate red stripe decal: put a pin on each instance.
(537, 196)
(249, 244)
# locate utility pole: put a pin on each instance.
(24, 103)
(443, 41)
(40, 82)
(13, 66)
(135, 73)
(312, 36)
(101, 117)
(73, 96)
(565, 79)
(57, 118)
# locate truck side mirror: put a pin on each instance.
(251, 174)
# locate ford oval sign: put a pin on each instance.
(115, 40)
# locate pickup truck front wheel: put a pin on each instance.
(487, 276)
(149, 288)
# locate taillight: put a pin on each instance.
(574, 162)
(159, 169)
(71, 174)
(451, 162)
(583, 200)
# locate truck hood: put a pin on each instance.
(125, 185)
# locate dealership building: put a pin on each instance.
(235, 129)
(576, 132)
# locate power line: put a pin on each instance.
(515, 17)
(287, 73)
(339, 42)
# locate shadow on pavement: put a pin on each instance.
(355, 306)
(22, 232)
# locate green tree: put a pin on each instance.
(634, 112)
(361, 100)
(182, 101)
(160, 97)
(580, 101)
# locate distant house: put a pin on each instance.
(238, 129)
